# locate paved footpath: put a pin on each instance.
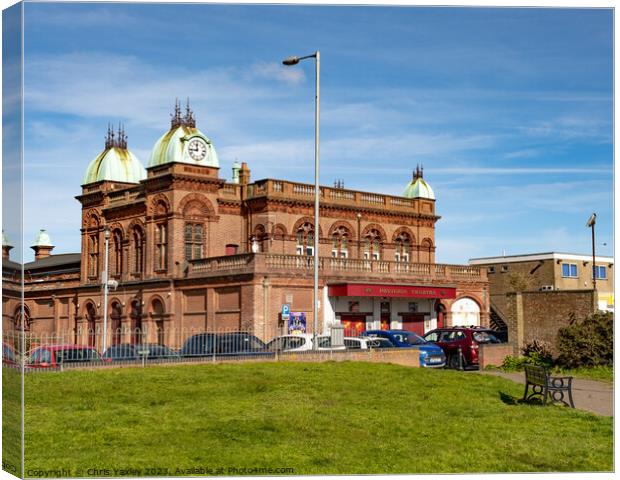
(590, 395)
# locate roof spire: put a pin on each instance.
(189, 120)
(121, 141)
(419, 172)
(176, 120)
(109, 138)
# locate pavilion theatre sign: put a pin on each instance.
(374, 290)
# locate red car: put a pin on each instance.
(467, 339)
(53, 356)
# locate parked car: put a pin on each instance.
(53, 356)
(467, 339)
(290, 343)
(301, 343)
(9, 357)
(431, 355)
(137, 351)
(223, 344)
(365, 343)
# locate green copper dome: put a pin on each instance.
(5, 240)
(418, 188)
(42, 239)
(184, 143)
(115, 163)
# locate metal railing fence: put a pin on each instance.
(145, 346)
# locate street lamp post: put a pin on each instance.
(290, 61)
(106, 236)
(590, 223)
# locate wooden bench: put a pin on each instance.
(547, 387)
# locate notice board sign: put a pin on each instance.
(297, 323)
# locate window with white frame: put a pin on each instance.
(372, 245)
(402, 245)
(194, 238)
(305, 239)
(569, 270)
(340, 242)
(600, 272)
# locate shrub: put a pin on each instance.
(510, 363)
(539, 353)
(587, 343)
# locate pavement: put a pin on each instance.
(591, 395)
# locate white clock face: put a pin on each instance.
(197, 149)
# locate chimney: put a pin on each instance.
(42, 245)
(6, 246)
(244, 174)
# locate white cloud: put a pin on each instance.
(572, 127)
(274, 71)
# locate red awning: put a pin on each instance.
(374, 290)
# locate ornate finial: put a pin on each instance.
(109, 139)
(121, 140)
(189, 120)
(418, 172)
(176, 120)
(339, 183)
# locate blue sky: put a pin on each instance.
(509, 110)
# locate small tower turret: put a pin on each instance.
(42, 245)
(6, 245)
(235, 172)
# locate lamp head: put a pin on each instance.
(106, 233)
(291, 61)
(591, 221)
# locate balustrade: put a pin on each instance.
(267, 263)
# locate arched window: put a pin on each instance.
(136, 321)
(117, 245)
(91, 317)
(158, 316)
(305, 239)
(258, 239)
(194, 240)
(116, 316)
(161, 246)
(402, 244)
(22, 318)
(426, 251)
(92, 247)
(372, 245)
(465, 312)
(93, 254)
(340, 242)
(138, 250)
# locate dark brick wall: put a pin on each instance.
(539, 315)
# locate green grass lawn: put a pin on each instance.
(603, 374)
(324, 418)
(11, 420)
(600, 373)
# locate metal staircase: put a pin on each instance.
(497, 323)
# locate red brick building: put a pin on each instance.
(191, 251)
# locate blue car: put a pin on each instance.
(431, 355)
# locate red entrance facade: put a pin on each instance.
(393, 307)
